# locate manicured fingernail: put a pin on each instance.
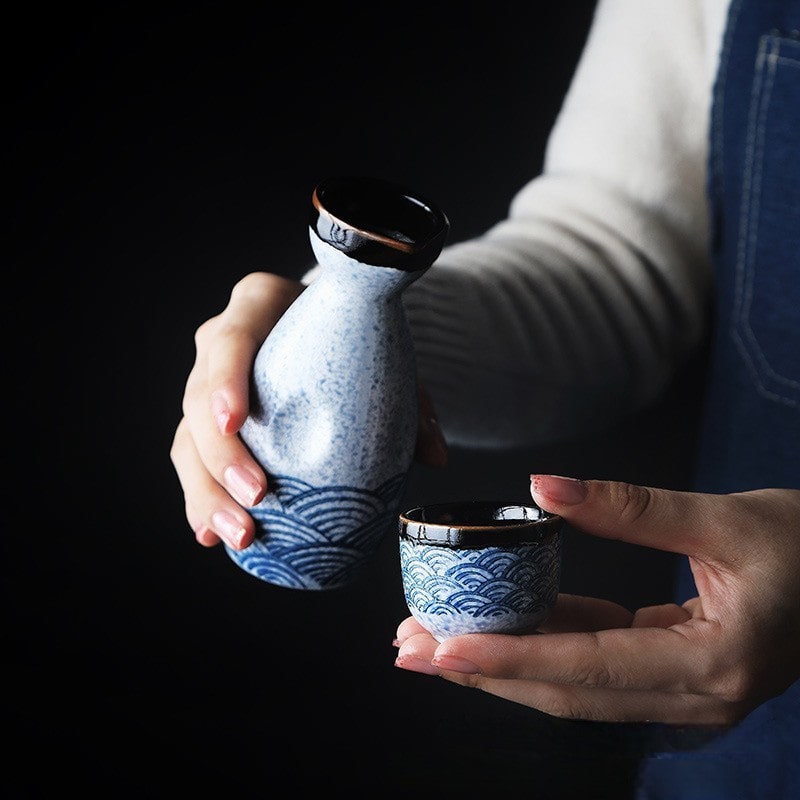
(220, 411)
(229, 528)
(456, 664)
(242, 484)
(557, 489)
(414, 664)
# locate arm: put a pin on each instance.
(588, 296)
(710, 661)
(218, 474)
(583, 300)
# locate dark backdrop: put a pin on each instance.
(156, 156)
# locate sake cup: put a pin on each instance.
(480, 566)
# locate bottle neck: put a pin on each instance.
(379, 281)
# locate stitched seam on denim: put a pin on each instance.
(773, 59)
(749, 232)
(718, 98)
(744, 210)
(748, 228)
(784, 44)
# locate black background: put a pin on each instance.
(156, 156)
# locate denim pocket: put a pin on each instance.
(766, 313)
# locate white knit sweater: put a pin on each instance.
(586, 298)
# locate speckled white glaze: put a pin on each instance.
(453, 591)
(333, 423)
(480, 566)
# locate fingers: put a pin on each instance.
(219, 476)
(574, 613)
(421, 653)
(642, 658)
(564, 683)
(709, 661)
(213, 414)
(607, 705)
(210, 510)
(217, 472)
(664, 616)
(416, 648)
(676, 659)
(570, 613)
(229, 345)
(407, 628)
(680, 522)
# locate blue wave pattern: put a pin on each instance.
(491, 590)
(312, 537)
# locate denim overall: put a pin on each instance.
(751, 428)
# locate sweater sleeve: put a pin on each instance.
(583, 302)
(580, 304)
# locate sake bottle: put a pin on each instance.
(334, 396)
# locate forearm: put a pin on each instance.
(544, 327)
(586, 299)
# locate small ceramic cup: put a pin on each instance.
(480, 566)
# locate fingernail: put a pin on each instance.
(456, 664)
(220, 411)
(242, 484)
(414, 664)
(557, 489)
(229, 528)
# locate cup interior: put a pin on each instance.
(478, 523)
(378, 222)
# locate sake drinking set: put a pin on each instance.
(333, 422)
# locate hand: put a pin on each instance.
(219, 476)
(710, 661)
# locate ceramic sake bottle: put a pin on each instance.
(334, 414)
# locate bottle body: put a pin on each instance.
(333, 423)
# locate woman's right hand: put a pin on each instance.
(219, 476)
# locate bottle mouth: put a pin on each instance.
(378, 222)
(478, 523)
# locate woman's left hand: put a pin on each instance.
(710, 661)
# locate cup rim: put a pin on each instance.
(378, 222)
(428, 524)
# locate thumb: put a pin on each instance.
(665, 520)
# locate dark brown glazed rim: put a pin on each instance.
(378, 222)
(473, 524)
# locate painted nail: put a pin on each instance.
(229, 528)
(414, 664)
(242, 484)
(558, 489)
(456, 664)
